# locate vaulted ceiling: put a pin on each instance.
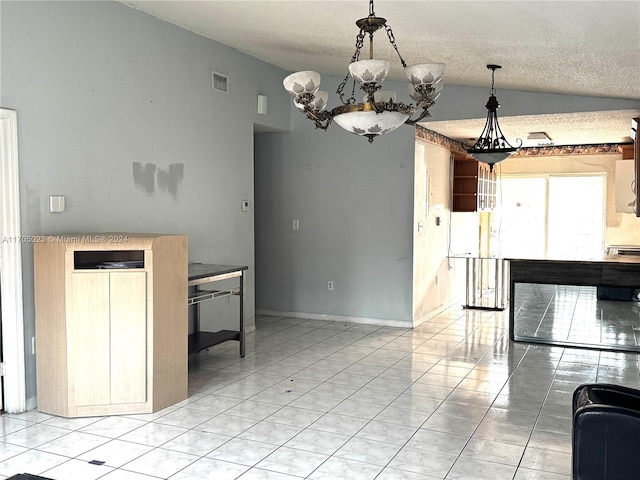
(589, 48)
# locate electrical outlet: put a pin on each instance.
(330, 285)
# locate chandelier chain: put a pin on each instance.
(354, 58)
(392, 40)
(359, 45)
(493, 89)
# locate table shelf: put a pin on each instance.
(202, 340)
(200, 274)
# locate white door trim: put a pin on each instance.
(11, 266)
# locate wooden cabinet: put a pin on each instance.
(111, 323)
(107, 325)
(474, 185)
(636, 152)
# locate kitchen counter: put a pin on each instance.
(610, 274)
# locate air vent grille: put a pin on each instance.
(220, 82)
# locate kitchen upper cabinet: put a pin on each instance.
(474, 185)
(636, 150)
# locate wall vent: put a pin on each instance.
(220, 82)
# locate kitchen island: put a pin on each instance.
(586, 303)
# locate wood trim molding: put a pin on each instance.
(430, 136)
(11, 267)
(567, 150)
(438, 139)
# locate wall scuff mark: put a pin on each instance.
(169, 180)
(146, 177)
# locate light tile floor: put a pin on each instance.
(451, 399)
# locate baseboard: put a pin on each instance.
(383, 322)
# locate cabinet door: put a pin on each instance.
(107, 338)
(89, 339)
(128, 353)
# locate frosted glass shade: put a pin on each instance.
(318, 103)
(302, 82)
(492, 156)
(424, 73)
(369, 71)
(368, 122)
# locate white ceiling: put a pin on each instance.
(569, 47)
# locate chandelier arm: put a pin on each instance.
(485, 137)
(321, 119)
(392, 40)
(425, 113)
(502, 141)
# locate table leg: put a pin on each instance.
(196, 315)
(242, 314)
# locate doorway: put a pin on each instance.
(11, 307)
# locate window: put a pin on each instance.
(557, 216)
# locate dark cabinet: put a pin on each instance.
(636, 152)
(474, 185)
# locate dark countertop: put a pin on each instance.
(616, 259)
(203, 270)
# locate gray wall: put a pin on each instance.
(100, 87)
(354, 203)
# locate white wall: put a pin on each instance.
(438, 234)
(100, 87)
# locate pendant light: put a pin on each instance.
(492, 147)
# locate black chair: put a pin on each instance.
(27, 476)
(606, 432)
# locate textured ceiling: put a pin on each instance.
(569, 47)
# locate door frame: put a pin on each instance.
(11, 267)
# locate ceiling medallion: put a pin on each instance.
(379, 112)
(492, 147)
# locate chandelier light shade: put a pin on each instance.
(492, 147)
(379, 112)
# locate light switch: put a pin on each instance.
(56, 203)
(245, 205)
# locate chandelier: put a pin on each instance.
(492, 147)
(378, 112)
